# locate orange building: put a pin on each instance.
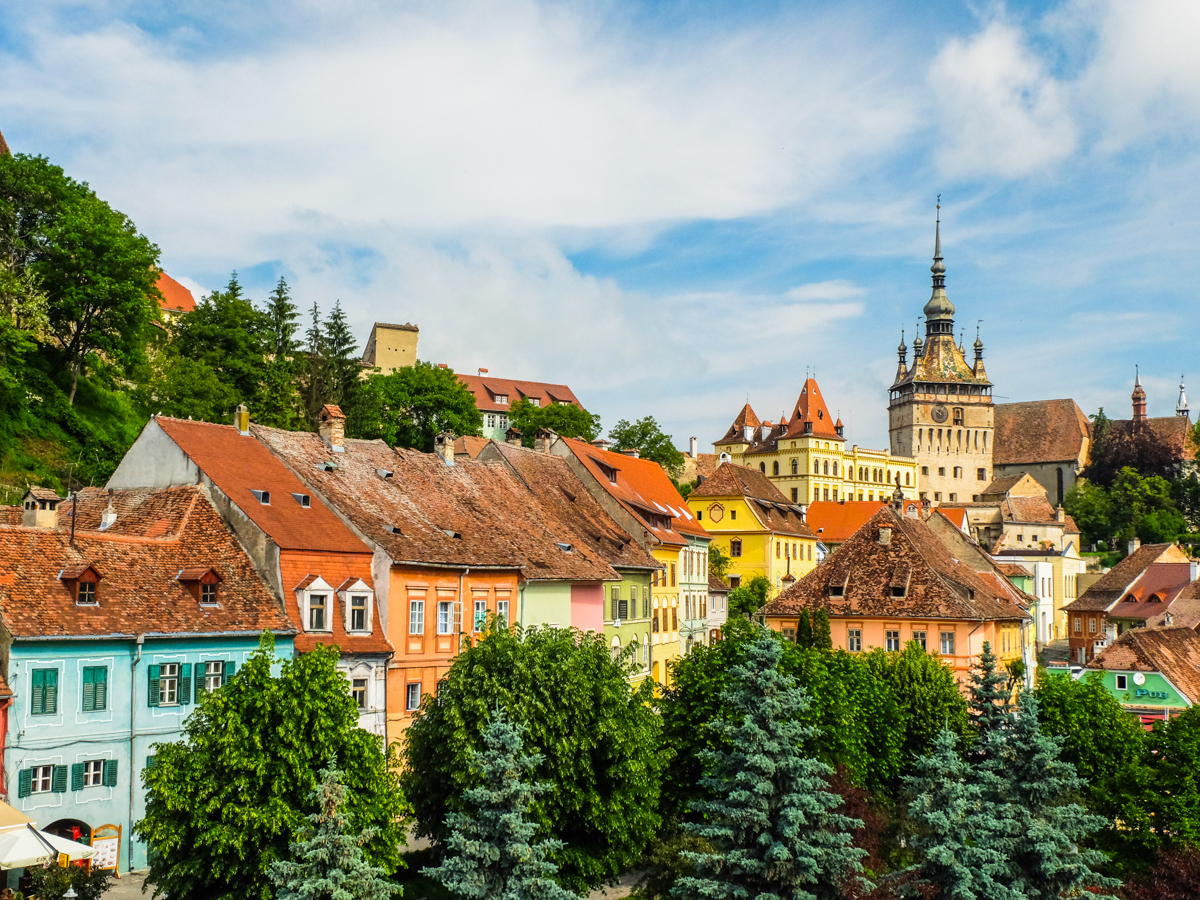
(899, 579)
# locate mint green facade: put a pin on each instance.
(628, 602)
(1154, 693)
(544, 603)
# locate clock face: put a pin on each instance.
(938, 414)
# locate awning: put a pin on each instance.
(25, 846)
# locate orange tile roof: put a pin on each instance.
(1039, 431)
(835, 521)
(485, 387)
(471, 445)
(174, 295)
(643, 488)
(1112, 585)
(340, 571)
(811, 410)
(238, 465)
(1174, 652)
(746, 419)
(958, 517)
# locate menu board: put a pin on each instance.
(106, 841)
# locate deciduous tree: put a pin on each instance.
(648, 439)
(412, 405)
(566, 419)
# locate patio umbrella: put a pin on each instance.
(26, 846)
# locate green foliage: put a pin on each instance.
(327, 859)
(647, 438)
(771, 821)
(411, 406)
(1091, 508)
(1132, 506)
(566, 419)
(490, 851)
(1100, 737)
(52, 881)
(989, 700)
(599, 739)
(718, 562)
(804, 631)
(664, 863)
(822, 635)
(1175, 876)
(747, 599)
(226, 802)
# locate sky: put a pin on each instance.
(674, 207)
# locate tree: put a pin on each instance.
(989, 705)
(490, 851)
(314, 373)
(327, 859)
(647, 438)
(747, 599)
(53, 881)
(772, 824)
(1175, 876)
(279, 404)
(804, 630)
(412, 405)
(1133, 445)
(566, 419)
(718, 562)
(225, 802)
(1091, 508)
(282, 314)
(341, 361)
(822, 635)
(599, 739)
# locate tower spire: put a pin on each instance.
(1181, 408)
(1139, 397)
(939, 311)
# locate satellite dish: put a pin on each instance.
(1139, 678)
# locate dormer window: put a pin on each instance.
(85, 593)
(304, 500)
(317, 611)
(837, 590)
(263, 497)
(384, 473)
(201, 582)
(501, 398)
(565, 548)
(82, 582)
(358, 600)
(313, 597)
(328, 466)
(208, 595)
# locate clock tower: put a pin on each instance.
(940, 410)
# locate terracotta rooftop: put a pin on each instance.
(743, 428)
(470, 445)
(1174, 431)
(717, 586)
(1035, 511)
(139, 591)
(1039, 431)
(936, 584)
(1007, 483)
(810, 418)
(1174, 652)
(486, 389)
(833, 521)
(239, 465)
(772, 509)
(1116, 581)
(643, 488)
(706, 464)
(42, 493)
(1012, 569)
(175, 297)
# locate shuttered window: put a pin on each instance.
(43, 692)
(95, 688)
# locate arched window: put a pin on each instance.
(775, 468)
(763, 468)
(795, 467)
(615, 647)
(835, 467)
(826, 467)
(907, 482)
(816, 467)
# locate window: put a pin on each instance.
(93, 773)
(789, 634)
(897, 590)
(854, 639)
(825, 466)
(735, 547)
(674, 618)
(937, 495)
(445, 620)
(733, 515)
(645, 601)
(919, 637)
(1092, 624)
(623, 605)
(86, 593)
(953, 497)
(795, 495)
(892, 641)
(491, 420)
(775, 468)
(981, 474)
(95, 688)
(358, 690)
(316, 612)
(208, 594)
(42, 780)
(837, 590)
(480, 619)
(263, 497)
(958, 471)
(211, 675)
(941, 470)
(672, 574)
(614, 594)
(416, 616)
(1035, 538)
(907, 481)
(358, 613)
(778, 549)
(43, 692)
(958, 415)
(412, 698)
(654, 623)
(795, 467)
(924, 470)
(168, 685)
(502, 612)
(947, 643)
(699, 515)
(1122, 682)
(763, 467)
(826, 493)
(735, 581)
(1078, 625)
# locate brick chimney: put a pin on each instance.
(443, 446)
(543, 439)
(331, 424)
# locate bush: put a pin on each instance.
(51, 882)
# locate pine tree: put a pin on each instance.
(342, 364)
(327, 863)
(1045, 860)
(279, 401)
(989, 699)
(283, 314)
(773, 826)
(490, 851)
(822, 635)
(804, 631)
(961, 855)
(314, 375)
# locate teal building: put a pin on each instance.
(1153, 672)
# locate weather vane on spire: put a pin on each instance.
(939, 207)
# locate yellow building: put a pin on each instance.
(391, 347)
(756, 526)
(807, 459)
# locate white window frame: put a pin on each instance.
(416, 615)
(304, 600)
(347, 595)
(408, 696)
(502, 611)
(42, 780)
(854, 641)
(93, 773)
(445, 617)
(366, 692)
(479, 616)
(946, 642)
(213, 673)
(892, 640)
(168, 684)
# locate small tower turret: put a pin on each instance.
(1139, 397)
(978, 367)
(902, 351)
(1181, 408)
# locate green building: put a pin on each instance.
(1153, 672)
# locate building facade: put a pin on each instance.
(1046, 439)
(495, 398)
(1153, 672)
(391, 347)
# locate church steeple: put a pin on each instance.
(1181, 408)
(939, 311)
(1139, 397)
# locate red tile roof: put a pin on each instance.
(238, 465)
(643, 488)
(340, 571)
(485, 388)
(744, 427)
(1039, 431)
(811, 409)
(470, 445)
(1174, 652)
(1112, 585)
(139, 592)
(717, 586)
(834, 521)
(175, 296)
(772, 509)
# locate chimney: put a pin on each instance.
(41, 508)
(331, 424)
(633, 451)
(693, 447)
(443, 446)
(543, 439)
(110, 514)
(885, 535)
(512, 437)
(1134, 546)
(241, 419)
(1060, 515)
(601, 444)
(483, 371)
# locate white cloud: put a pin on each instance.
(839, 289)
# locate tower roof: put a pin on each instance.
(746, 419)
(939, 308)
(811, 410)
(1181, 408)
(4, 151)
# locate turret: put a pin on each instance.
(939, 311)
(1181, 408)
(902, 351)
(978, 367)
(1139, 397)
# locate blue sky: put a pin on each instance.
(670, 206)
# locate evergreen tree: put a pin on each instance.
(989, 705)
(314, 374)
(279, 403)
(1045, 860)
(282, 314)
(327, 861)
(822, 638)
(490, 852)
(949, 811)
(804, 631)
(341, 362)
(772, 823)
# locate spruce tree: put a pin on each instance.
(961, 854)
(342, 364)
(282, 313)
(1045, 860)
(327, 862)
(773, 827)
(822, 638)
(804, 631)
(279, 401)
(490, 852)
(314, 375)
(989, 700)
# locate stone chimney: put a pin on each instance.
(443, 446)
(1134, 546)
(1060, 515)
(241, 419)
(331, 425)
(693, 447)
(633, 451)
(512, 437)
(109, 515)
(601, 443)
(41, 508)
(543, 439)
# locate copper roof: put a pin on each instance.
(772, 509)
(140, 592)
(1112, 586)
(938, 585)
(1174, 652)
(1039, 431)
(486, 388)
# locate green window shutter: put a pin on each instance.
(37, 692)
(110, 773)
(201, 684)
(101, 684)
(226, 672)
(51, 692)
(77, 776)
(59, 785)
(154, 675)
(89, 690)
(151, 762)
(185, 684)
(25, 783)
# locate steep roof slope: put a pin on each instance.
(772, 509)
(175, 296)
(486, 388)
(1039, 431)
(1113, 584)
(1175, 652)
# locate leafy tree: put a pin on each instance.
(225, 802)
(566, 419)
(822, 635)
(1091, 508)
(747, 599)
(53, 881)
(187, 389)
(412, 405)
(599, 738)
(1132, 445)
(1185, 492)
(327, 859)
(772, 824)
(647, 438)
(718, 562)
(1132, 506)
(1175, 876)
(490, 852)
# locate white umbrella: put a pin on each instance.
(26, 846)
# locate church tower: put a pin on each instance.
(940, 409)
